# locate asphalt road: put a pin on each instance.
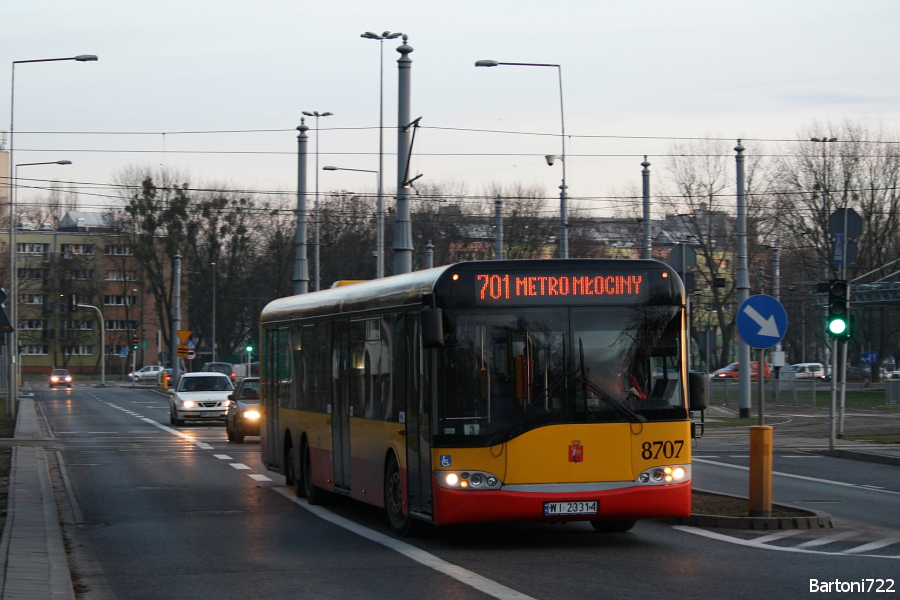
(155, 511)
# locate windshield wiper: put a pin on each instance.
(589, 385)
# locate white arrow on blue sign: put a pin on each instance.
(761, 321)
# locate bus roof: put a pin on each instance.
(408, 289)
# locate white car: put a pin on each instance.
(148, 373)
(200, 397)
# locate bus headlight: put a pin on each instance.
(666, 474)
(467, 480)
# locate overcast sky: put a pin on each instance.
(216, 88)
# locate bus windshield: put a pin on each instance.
(505, 372)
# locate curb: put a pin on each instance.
(815, 520)
(863, 456)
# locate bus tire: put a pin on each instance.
(314, 495)
(289, 469)
(404, 525)
(613, 525)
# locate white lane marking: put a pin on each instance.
(754, 544)
(223, 457)
(828, 539)
(258, 477)
(873, 545)
(482, 584)
(803, 477)
(801, 456)
(169, 429)
(239, 466)
(777, 536)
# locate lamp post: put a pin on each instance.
(215, 283)
(13, 270)
(318, 272)
(563, 224)
(14, 338)
(379, 209)
(836, 343)
(379, 256)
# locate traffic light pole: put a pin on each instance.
(831, 408)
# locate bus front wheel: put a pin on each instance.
(613, 525)
(393, 499)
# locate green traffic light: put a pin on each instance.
(249, 348)
(837, 326)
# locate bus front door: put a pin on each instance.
(418, 427)
(340, 411)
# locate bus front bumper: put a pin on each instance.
(633, 502)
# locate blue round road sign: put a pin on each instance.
(761, 321)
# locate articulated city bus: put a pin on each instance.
(519, 390)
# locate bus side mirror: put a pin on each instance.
(432, 328)
(697, 390)
(697, 399)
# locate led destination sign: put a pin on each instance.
(519, 288)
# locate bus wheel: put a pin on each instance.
(613, 525)
(314, 495)
(403, 524)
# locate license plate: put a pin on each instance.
(552, 509)
(210, 414)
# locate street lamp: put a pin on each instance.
(13, 267)
(379, 257)
(563, 225)
(14, 338)
(215, 284)
(379, 209)
(317, 114)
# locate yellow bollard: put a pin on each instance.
(761, 471)
(165, 381)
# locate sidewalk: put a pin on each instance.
(33, 562)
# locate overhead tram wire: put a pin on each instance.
(727, 139)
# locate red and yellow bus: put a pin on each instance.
(521, 390)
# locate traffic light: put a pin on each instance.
(838, 323)
(134, 342)
(249, 349)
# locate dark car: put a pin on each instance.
(225, 368)
(862, 374)
(60, 377)
(242, 417)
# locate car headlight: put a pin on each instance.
(54, 379)
(188, 403)
(251, 414)
(68, 379)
